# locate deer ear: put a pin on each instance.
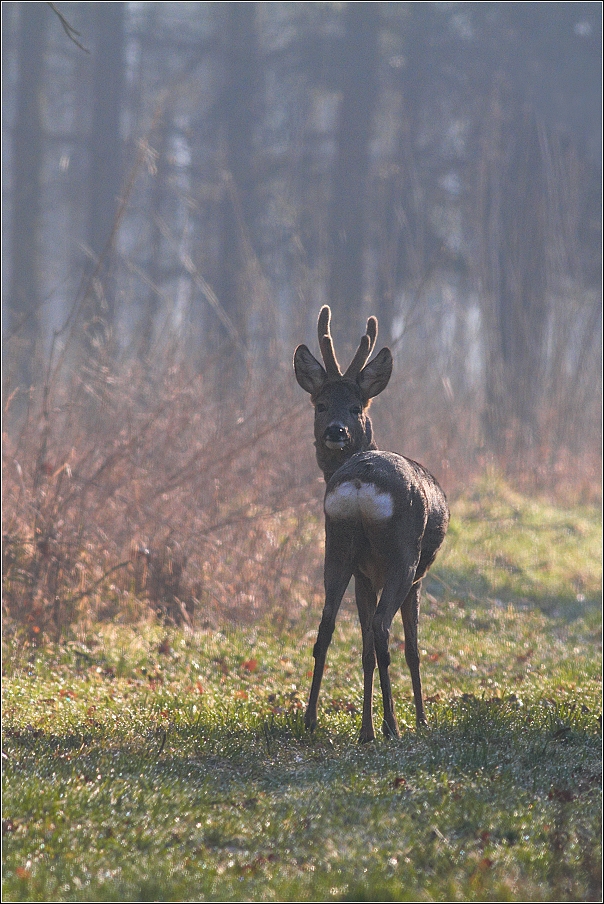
(309, 373)
(375, 375)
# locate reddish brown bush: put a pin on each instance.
(131, 493)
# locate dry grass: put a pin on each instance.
(126, 494)
(130, 492)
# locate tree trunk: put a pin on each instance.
(513, 216)
(349, 198)
(24, 293)
(239, 107)
(105, 159)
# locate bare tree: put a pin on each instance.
(349, 201)
(513, 212)
(239, 106)
(105, 157)
(25, 291)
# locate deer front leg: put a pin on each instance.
(337, 576)
(366, 600)
(410, 613)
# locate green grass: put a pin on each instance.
(504, 545)
(145, 764)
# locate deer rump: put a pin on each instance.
(384, 512)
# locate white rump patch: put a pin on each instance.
(354, 499)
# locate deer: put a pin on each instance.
(385, 519)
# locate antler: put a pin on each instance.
(364, 350)
(326, 344)
(361, 357)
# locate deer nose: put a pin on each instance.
(336, 434)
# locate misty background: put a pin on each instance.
(207, 175)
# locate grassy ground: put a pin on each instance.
(152, 764)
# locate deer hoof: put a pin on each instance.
(366, 736)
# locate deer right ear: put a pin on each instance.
(309, 373)
(374, 377)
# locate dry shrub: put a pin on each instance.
(128, 492)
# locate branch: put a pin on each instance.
(68, 29)
(89, 590)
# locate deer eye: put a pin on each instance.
(356, 410)
(321, 407)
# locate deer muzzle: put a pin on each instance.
(336, 436)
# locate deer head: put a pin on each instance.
(341, 400)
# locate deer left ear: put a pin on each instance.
(374, 377)
(309, 373)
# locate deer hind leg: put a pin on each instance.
(366, 604)
(337, 577)
(410, 613)
(396, 589)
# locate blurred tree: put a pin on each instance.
(239, 103)
(151, 295)
(25, 291)
(105, 159)
(358, 58)
(512, 217)
(409, 248)
(526, 224)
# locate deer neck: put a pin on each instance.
(329, 460)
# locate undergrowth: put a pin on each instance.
(153, 499)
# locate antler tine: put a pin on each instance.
(372, 331)
(326, 343)
(365, 348)
(324, 321)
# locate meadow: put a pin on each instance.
(151, 762)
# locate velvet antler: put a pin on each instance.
(326, 344)
(364, 350)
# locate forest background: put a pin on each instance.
(185, 184)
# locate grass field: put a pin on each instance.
(152, 764)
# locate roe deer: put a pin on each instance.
(385, 519)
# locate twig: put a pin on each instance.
(88, 591)
(68, 28)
